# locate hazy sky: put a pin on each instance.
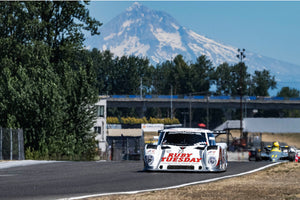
(269, 28)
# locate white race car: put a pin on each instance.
(186, 149)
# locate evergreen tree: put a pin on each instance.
(230, 80)
(262, 81)
(288, 92)
(202, 72)
(181, 76)
(163, 77)
(223, 82)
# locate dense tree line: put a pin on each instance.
(125, 75)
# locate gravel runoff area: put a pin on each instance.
(278, 182)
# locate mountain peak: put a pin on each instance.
(156, 35)
(135, 6)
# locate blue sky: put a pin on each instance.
(269, 28)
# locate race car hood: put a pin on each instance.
(181, 154)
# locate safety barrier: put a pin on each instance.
(221, 97)
(238, 156)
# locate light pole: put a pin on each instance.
(190, 117)
(141, 88)
(241, 55)
(207, 111)
(171, 102)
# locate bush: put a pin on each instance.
(112, 120)
(133, 120)
(31, 154)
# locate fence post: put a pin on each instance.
(20, 144)
(11, 144)
(1, 143)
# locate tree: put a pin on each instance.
(175, 74)
(163, 77)
(221, 77)
(120, 75)
(231, 79)
(45, 88)
(202, 72)
(61, 26)
(180, 76)
(130, 70)
(262, 81)
(288, 92)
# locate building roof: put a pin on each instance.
(229, 124)
(272, 125)
(264, 125)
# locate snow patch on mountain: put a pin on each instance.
(110, 36)
(127, 23)
(135, 5)
(132, 46)
(156, 35)
(167, 38)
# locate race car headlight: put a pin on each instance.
(212, 161)
(149, 159)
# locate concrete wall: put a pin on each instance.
(238, 156)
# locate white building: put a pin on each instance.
(100, 124)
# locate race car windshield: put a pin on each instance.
(181, 139)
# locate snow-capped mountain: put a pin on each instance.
(143, 32)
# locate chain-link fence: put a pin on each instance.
(11, 144)
(125, 148)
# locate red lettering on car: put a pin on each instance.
(180, 157)
(175, 159)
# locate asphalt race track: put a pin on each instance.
(72, 179)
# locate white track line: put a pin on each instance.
(172, 187)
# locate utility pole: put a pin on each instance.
(207, 111)
(241, 55)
